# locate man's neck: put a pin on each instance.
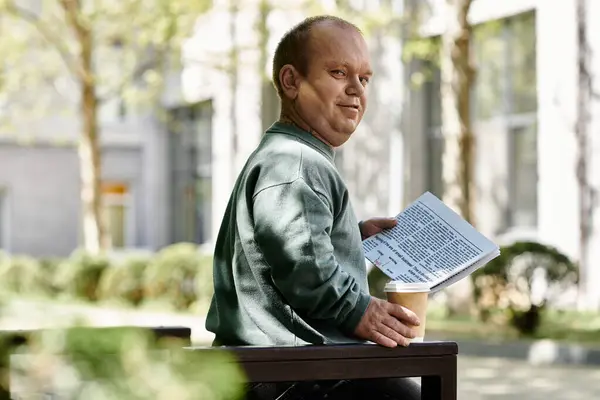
(291, 117)
(285, 119)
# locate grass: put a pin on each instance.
(563, 326)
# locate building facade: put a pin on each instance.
(155, 184)
(524, 117)
(167, 184)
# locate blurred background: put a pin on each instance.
(124, 123)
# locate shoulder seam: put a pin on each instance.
(319, 194)
(298, 175)
(274, 185)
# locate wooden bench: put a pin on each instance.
(434, 362)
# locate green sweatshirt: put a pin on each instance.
(288, 263)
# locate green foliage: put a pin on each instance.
(427, 52)
(21, 274)
(179, 274)
(506, 282)
(121, 363)
(80, 274)
(125, 280)
(49, 268)
(422, 48)
(135, 43)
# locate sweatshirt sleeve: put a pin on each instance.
(292, 228)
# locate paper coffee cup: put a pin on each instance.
(412, 296)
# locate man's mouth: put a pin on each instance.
(352, 106)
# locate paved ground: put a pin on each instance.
(479, 378)
(500, 379)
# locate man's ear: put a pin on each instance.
(290, 81)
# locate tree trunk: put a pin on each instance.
(584, 90)
(458, 157)
(456, 74)
(94, 234)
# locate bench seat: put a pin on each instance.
(434, 362)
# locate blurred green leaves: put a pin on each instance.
(507, 283)
(178, 277)
(178, 273)
(118, 363)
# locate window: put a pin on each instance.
(522, 64)
(505, 58)
(505, 90)
(116, 210)
(190, 154)
(523, 176)
(489, 56)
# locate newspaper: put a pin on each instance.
(429, 244)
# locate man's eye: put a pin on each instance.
(338, 72)
(364, 81)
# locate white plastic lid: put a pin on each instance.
(399, 286)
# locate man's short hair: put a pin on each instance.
(293, 48)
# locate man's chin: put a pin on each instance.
(343, 136)
(339, 134)
(349, 128)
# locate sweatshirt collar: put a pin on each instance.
(304, 136)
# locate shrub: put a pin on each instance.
(22, 275)
(80, 274)
(118, 363)
(179, 274)
(506, 283)
(49, 268)
(204, 284)
(125, 280)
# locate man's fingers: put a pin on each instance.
(383, 340)
(393, 335)
(386, 324)
(399, 327)
(404, 314)
(386, 223)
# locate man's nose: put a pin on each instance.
(355, 87)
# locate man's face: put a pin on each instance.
(332, 97)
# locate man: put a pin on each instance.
(288, 264)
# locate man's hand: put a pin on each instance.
(373, 226)
(384, 324)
